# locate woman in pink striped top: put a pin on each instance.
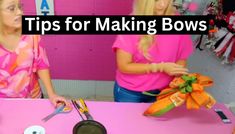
(22, 59)
(149, 62)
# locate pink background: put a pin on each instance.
(82, 57)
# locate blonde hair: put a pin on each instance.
(146, 7)
(1, 25)
(0, 17)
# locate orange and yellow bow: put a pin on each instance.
(187, 89)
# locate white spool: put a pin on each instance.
(35, 130)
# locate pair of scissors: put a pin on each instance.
(60, 109)
(84, 109)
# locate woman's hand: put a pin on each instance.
(56, 99)
(170, 68)
(174, 69)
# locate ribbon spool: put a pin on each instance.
(35, 130)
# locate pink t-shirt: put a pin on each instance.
(166, 48)
(18, 78)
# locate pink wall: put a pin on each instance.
(82, 57)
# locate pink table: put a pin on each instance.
(118, 118)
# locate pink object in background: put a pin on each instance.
(82, 57)
(193, 6)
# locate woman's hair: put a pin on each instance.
(1, 24)
(146, 7)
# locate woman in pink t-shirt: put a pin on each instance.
(22, 59)
(149, 62)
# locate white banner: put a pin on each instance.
(45, 7)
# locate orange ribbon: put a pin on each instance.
(187, 89)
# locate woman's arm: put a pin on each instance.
(44, 75)
(125, 65)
